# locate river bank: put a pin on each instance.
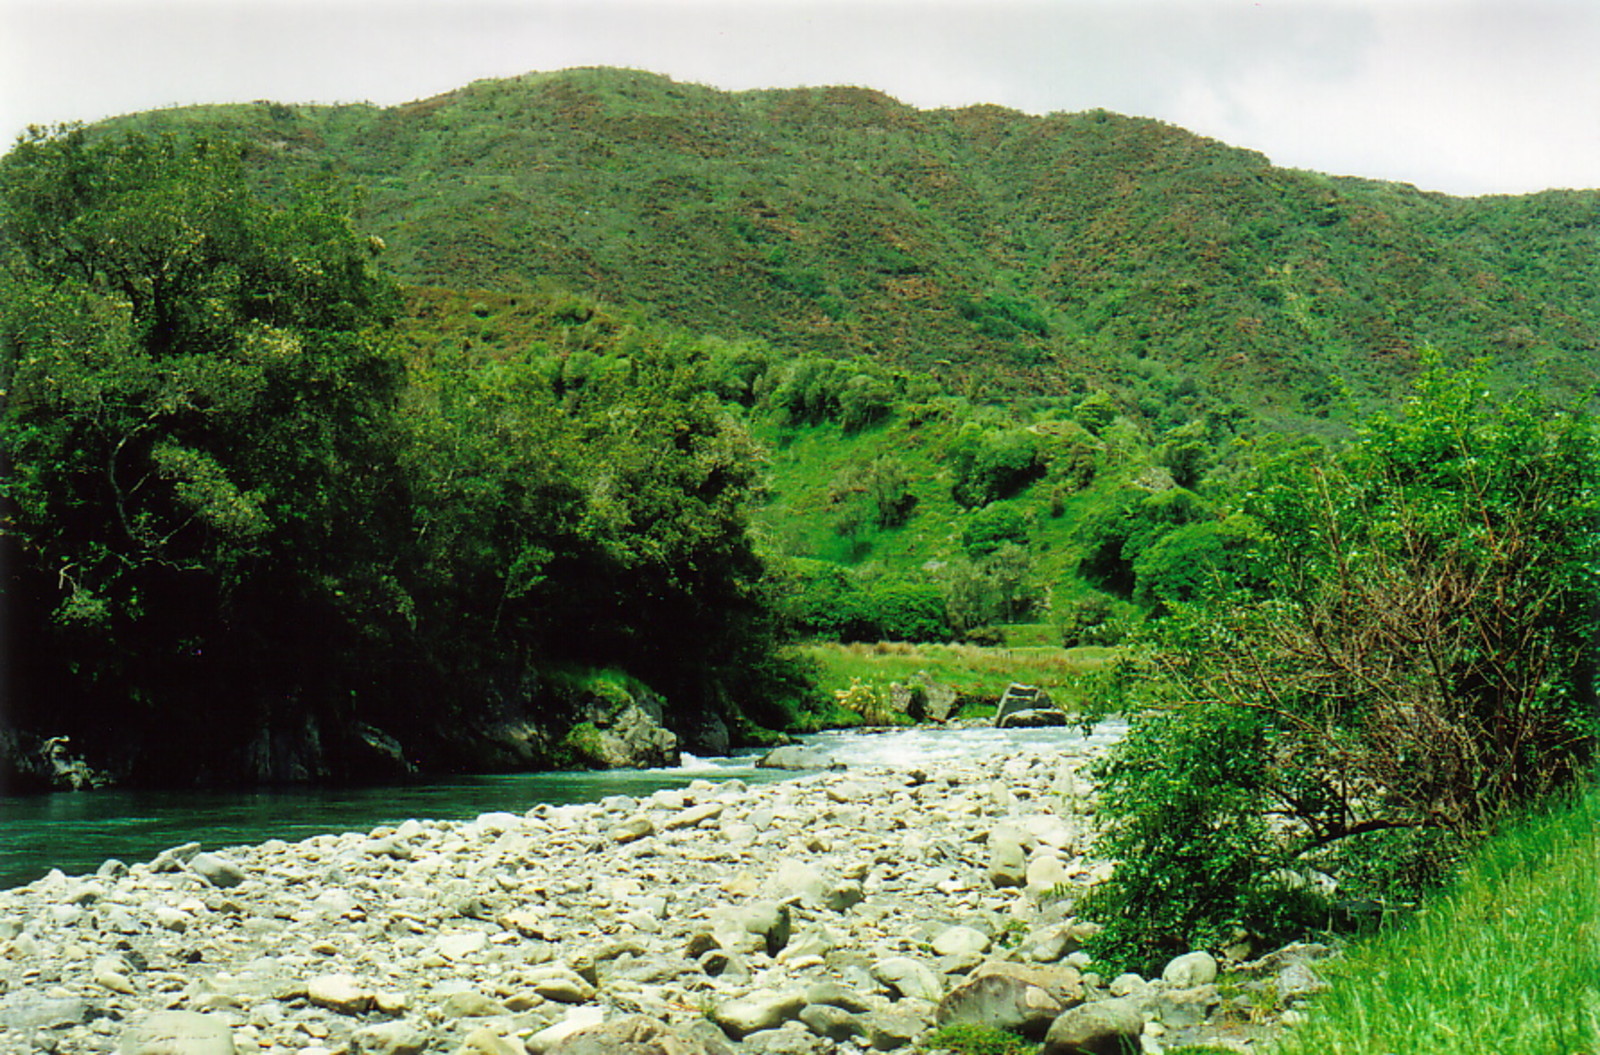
(839, 912)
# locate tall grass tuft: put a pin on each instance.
(1506, 961)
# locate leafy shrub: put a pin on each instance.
(1196, 859)
(1411, 658)
(991, 464)
(992, 527)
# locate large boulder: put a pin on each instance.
(178, 1033)
(1000, 1002)
(795, 756)
(940, 702)
(629, 736)
(1105, 1027)
(639, 1035)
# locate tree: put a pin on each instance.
(199, 449)
(1409, 662)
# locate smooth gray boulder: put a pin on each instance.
(1000, 1002)
(217, 870)
(639, 1035)
(795, 756)
(1190, 969)
(177, 1033)
(909, 978)
(1105, 1027)
(755, 1011)
(27, 1009)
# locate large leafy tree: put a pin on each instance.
(1409, 660)
(200, 490)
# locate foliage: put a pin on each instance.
(226, 481)
(969, 1039)
(1498, 962)
(993, 526)
(1064, 253)
(200, 446)
(1195, 853)
(829, 601)
(1410, 655)
(991, 464)
(997, 588)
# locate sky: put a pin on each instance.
(1460, 96)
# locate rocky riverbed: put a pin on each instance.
(843, 912)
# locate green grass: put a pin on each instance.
(970, 669)
(1507, 961)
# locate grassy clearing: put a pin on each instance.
(1508, 961)
(970, 669)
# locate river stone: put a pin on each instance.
(338, 992)
(961, 941)
(888, 1030)
(217, 870)
(909, 978)
(30, 1009)
(1008, 860)
(1046, 872)
(483, 1041)
(835, 1023)
(694, 816)
(579, 1018)
(1062, 981)
(389, 1038)
(835, 995)
(469, 1003)
(757, 1010)
(843, 896)
(797, 879)
(461, 944)
(178, 1033)
(794, 756)
(173, 858)
(791, 1038)
(1000, 1002)
(1105, 1027)
(1190, 969)
(632, 829)
(1182, 1008)
(169, 918)
(110, 972)
(639, 1035)
(562, 985)
(768, 920)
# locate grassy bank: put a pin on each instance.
(1508, 961)
(982, 672)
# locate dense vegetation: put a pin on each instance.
(1505, 960)
(251, 535)
(1006, 253)
(342, 438)
(1401, 658)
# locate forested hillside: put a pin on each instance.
(343, 440)
(1011, 253)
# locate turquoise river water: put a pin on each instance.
(76, 831)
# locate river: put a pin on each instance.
(76, 831)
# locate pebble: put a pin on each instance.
(826, 915)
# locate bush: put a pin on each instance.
(1410, 654)
(992, 527)
(991, 464)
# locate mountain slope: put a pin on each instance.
(1043, 254)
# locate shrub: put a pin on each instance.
(992, 527)
(1411, 654)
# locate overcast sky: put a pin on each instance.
(1462, 96)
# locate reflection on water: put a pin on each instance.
(76, 831)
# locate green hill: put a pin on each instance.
(1005, 253)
